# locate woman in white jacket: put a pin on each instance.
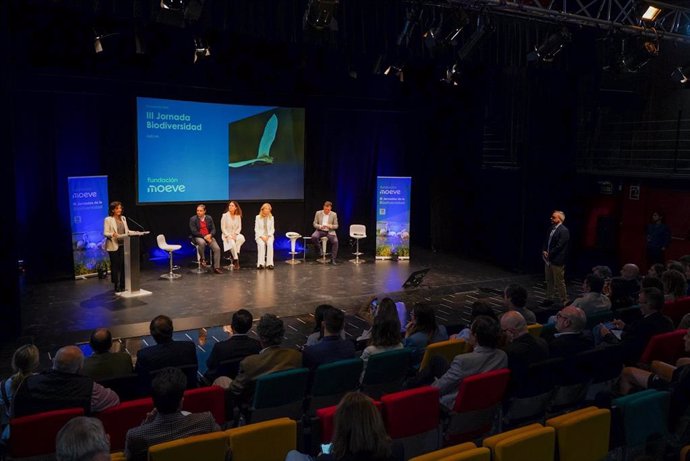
(114, 228)
(264, 228)
(231, 230)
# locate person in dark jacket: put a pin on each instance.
(238, 346)
(332, 346)
(554, 254)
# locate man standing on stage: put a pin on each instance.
(325, 224)
(554, 253)
(202, 229)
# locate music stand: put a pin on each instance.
(415, 278)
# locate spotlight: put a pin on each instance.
(320, 14)
(173, 5)
(551, 47)
(201, 49)
(637, 52)
(395, 71)
(452, 76)
(446, 30)
(104, 40)
(680, 74)
(651, 13)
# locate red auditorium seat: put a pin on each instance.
(34, 435)
(413, 417)
(478, 399)
(325, 418)
(667, 347)
(119, 419)
(202, 399)
(677, 309)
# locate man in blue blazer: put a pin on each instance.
(554, 253)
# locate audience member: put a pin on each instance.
(167, 421)
(675, 285)
(385, 333)
(652, 282)
(479, 307)
(317, 335)
(484, 357)
(332, 346)
(593, 300)
(515, 299)
(522, 347)
(63, 387)
(238, 346)
(656, 270)
(624, 289)
(24, 363)
(634, 337)
(423, 330)
(272, 358)
(82, 439)
(358, 434)
(605, 273)
(103, 363)
(569, 338)
(685, 262)
(166, 352)
(658, 238)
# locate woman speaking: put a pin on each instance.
(114, 228)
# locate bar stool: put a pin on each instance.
(293, 236)
(165, 246)
(199, 269)
(358, 232)
(322, 259)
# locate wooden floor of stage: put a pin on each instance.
(64, 312)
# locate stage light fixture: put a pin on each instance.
(395, 71)
(637, 52)
(103, 40)
(651, 13)
(452, 75)
(173, 5)
(680, 74)
(551, 46)
(320, 14)
(201, 49)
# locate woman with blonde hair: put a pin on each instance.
(231, 232)
(264, 228)
(24, 363)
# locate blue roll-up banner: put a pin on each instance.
(88, 206)
(393, 217)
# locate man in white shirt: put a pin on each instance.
(325, 224)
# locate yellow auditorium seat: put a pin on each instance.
(476, 454)
(209, 447)
(537, 444)
(535, 329)
(118, 456)
(582, 435)
(445, 452)
(447, 349)
(490, 442)
(266, 441)
(684, 453)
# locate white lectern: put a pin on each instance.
(132, 289)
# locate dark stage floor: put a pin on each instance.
(58, 313)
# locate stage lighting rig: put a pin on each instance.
(637, 52)
(173, 5)
(553, 45)
(201, 49)
(680, 74)
(320, 15)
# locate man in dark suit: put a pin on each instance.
(554, 254)
(203, 232)
(332, 346)
(103, 363)
(635, 336)
(238, 346)
(522, 347)
(166, 352)
(569, 338)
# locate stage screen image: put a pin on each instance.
(201, 152)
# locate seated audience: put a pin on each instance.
(317, 334)
(484, 357)
(238, 346)
(515, 299)
(166, 352)
(63, 387)
(656, 270)
(422, 330)
(569, 338)
(675, 285)
(82, 439)
(624, 289)
(103, 363)
(385, 333)
(358, 434)
(24, 363)
(634, 337)
(479, 307)
(273, 357)
(593, 300)
(652, 282)
(167, 421)
(604, 272)
(332, 346)
(522, 347)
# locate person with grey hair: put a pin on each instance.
(82, 439)
(63, 387)
(522, 347)
(554, 253)
(569, 338)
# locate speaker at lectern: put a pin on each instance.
(132, 288)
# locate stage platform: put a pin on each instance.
(63, 312)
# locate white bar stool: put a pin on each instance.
(293, 236)
(165, 246)
(358, 232)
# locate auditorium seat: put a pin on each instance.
(582, 435)
(535, 329)
(537, 444)
(412, 417)
(642, 417)
(491, 441)
(385, 372)
(119, 419)
(477, 403)
(126, 387)
(467, 451)
(332, 381)
(211, 398)
(571, 382)
(677, 309)
(209, 447)
(265, 441)
(447, 349)
(34, 435)
(685, 453)
(279, 394)
(530, 392)
(603, 365)
(665, 347)
(325, 421)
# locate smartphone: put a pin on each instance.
(326, 448)
(374, 306)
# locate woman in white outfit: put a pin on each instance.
(264, 228)
(231, 230)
